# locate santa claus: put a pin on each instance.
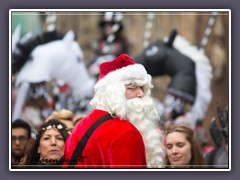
(129, 138)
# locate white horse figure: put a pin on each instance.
(55, 60)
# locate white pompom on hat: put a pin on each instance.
(122, 68)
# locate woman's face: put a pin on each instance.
(178, 150)
(51, 146)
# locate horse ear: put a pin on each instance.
(16, 36)
(69, 36)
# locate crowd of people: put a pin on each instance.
(120, 132)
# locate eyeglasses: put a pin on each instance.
(19, 138)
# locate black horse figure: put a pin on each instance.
(190, 73)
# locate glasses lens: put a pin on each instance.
(19, 138)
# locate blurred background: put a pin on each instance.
(140, 29)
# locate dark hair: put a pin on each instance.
(19, 123)
(34, 155)
(197, 159)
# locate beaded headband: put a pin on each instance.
(59, 127)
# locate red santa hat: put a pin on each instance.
(122, 68)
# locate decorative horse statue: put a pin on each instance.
(190, 73)
(60, 59)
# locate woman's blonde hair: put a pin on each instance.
(63, 114)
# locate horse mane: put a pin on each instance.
(203, 73)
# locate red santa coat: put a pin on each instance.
(114, 144)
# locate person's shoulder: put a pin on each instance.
(114, 125)
(89, 119)
(118, 126)
(113, 122)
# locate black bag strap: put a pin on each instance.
(82, 142)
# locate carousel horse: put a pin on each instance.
(190, 73)
(52, 60)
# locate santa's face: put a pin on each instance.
(138, 101)
(134, 91)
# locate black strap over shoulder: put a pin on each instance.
(82, 142)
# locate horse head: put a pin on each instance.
(58, 59)
(161, 58)
(190, 73)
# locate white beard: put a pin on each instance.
(141, 112)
